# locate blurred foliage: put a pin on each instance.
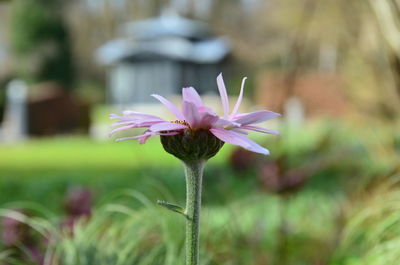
(241, 220)
(122, 232)
(90, 92)
(329, 38)
(371, 235)
(3, 83)
(354, 41)
(41, 41)
(51, 165)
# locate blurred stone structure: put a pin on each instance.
(161, 55)
(15, 120)
(42, 110)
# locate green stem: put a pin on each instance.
(194, 175)
(283, 231)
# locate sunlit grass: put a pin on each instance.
(72, 153)
(81, 152)
(42, 169)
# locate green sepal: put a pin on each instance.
(173, 207)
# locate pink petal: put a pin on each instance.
(139, 115)
(255, 117)
(205, 109)
(240, 98)
(170, 106)
(167, 126)
(134, 121)
(121, 129)
(189, 94)
(191, 114)
(208, 120)
(145, 137)
(238, 130)
(131, 115)
(134, 126)
(259, 129)
(222, 123)
(197, 119)
(238, 139)
(141, 137)
(115, 116)
(223, 94)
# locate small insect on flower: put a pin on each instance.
(198, 132)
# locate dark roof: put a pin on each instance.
(170, 37)
(167, 26)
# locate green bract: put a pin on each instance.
(192, 145)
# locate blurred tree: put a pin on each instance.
(355, 41)
(41, 42)
(332, 37)
(388, 16)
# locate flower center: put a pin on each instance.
(181, 122)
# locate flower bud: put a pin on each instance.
(192, 145)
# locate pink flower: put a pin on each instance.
(230, 128)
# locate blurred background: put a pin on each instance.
(328, 194)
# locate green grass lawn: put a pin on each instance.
(41, 170)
